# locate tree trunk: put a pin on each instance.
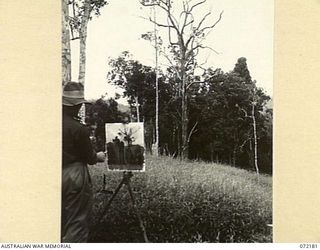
(184, 116)
(211, 151)
(234, 156)
(255, 139)
(250, 154)
(83, 40)
(137, 108)
(157, 83)
(82, 61)
(66, 51)
(179, 143)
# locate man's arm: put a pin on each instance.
(87, 152)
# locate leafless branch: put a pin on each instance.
(244, 111)
(192, 131)
(186, 23)
(197, 4)
(158, 24)
(190, 22)
(244, 143)
(199, 46)
(197, 31)
(202, 20)
(191, 39)
(75, 38)
(170, 38)
(190, 84)
(167, 8)
(162, 6)
(212, 26)
(171, 64)
(207, 47)
(167, 57)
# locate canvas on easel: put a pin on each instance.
(125, 146)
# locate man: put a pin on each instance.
(77, 153)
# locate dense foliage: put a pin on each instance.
(219, 109)
(98, 113)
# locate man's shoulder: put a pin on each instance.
(74, 123)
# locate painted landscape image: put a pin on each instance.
(124, 144)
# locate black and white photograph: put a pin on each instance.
(125, 146)
(173, 101)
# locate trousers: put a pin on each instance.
(76, 203)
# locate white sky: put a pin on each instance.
(246, 30)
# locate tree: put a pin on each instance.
(241, 68)
(139, 83)
(189, 40)
(136, 79)
(66, 51)
(82, 12)
(157, 42)
(127, 135)
(256, 100)
(224, 134)
(100, 112)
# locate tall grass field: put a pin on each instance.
(184, 202)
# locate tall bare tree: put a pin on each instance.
(80, 14)
(83, 40)
(66, 51)
(252, 116)
(157, 42)
(186, 39)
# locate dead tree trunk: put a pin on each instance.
(83, 41)
(137, 108)
(184, 125)
(157, 83)
(66, 51)
(82, 61)
(189, 37)
(255, 138)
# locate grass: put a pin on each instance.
(185, 202)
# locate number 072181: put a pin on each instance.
(305, 245)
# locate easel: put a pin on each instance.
(126, 179)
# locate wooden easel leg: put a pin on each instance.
(137, 213)
(111, 199)
(126, 181)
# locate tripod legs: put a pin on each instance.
(126, 181)
(138, 214)
(111, 199)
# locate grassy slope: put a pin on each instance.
(186, 202)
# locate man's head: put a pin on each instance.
(73, 98)
(73, 94)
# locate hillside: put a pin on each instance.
(185, 202)
(123, 108)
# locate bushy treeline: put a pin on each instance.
(221, 109)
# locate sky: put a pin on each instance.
(245, 30)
